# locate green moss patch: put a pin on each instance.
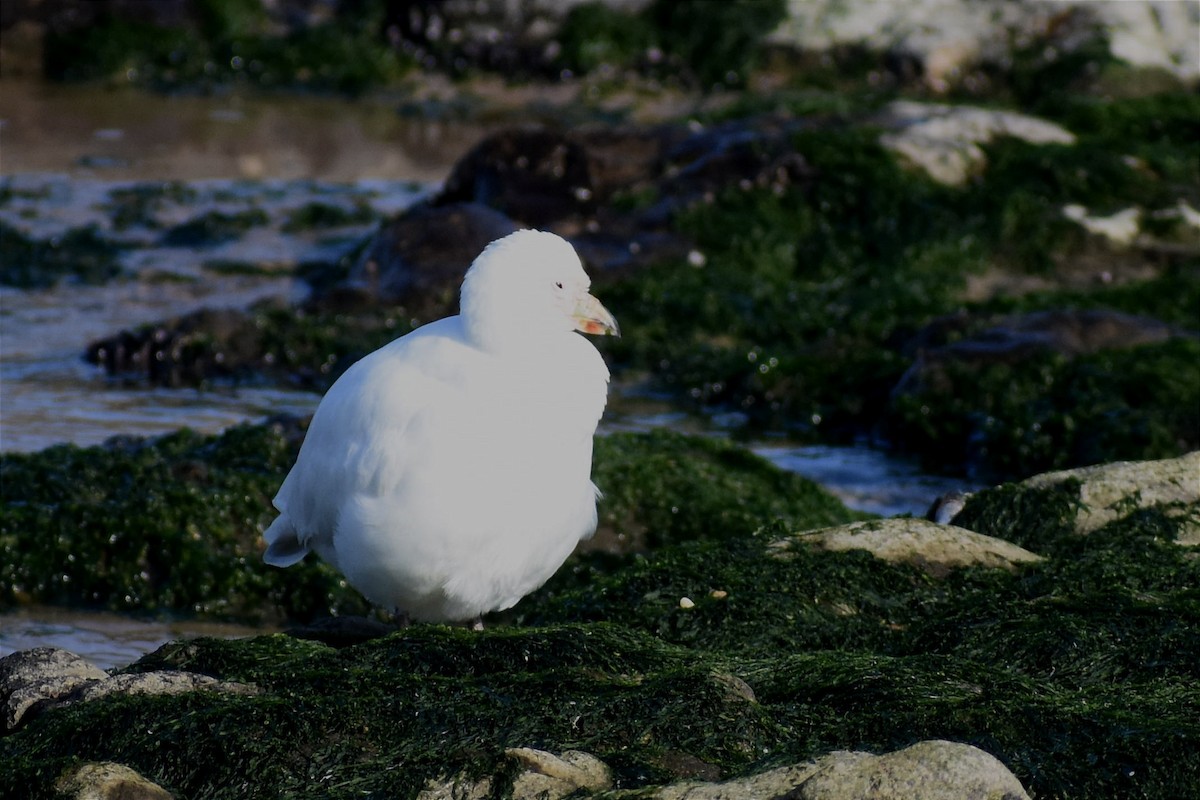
(214, 227)
(81, 254)
(317, 216)
(138, 205)
(229, 42)
(174, 524)
(169, 525)
(802, 305)
(727, 648)
(807, 651)
(1049, 412)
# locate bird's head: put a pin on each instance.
(526, 286)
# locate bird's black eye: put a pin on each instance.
(558, 284)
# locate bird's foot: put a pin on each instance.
(477, 625)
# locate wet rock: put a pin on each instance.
(931, 770)
(30, 678)
(203, 345)
(108, 781)
(543, 178)
(158, 682)
(936, 549)
(945, 141)
(34, 681)
(945, 508)
(576, 183)
(1112, 491)
(417, 259)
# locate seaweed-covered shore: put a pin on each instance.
(991, 264)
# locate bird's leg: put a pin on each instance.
(477, 625)
(400, 618)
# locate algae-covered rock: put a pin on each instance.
(1086, 655)
(83, 254)
(175, 523)
(1108, 492)
(930, 769)
(34, 681)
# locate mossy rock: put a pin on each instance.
(227, 42)
(82, 254)
(782, 652)
(802, 304)
(173, 525)
(214, 227)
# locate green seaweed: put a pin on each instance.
(165, 526)
(172, 525)
(137, 205)
(230, 43)
(794, 315)
(663, 487)
(316, 216)
(81, 254)
(804, 309)
(214, 227)
(1088, 657)
(718, 43)
(594, 34)
(1050, 412)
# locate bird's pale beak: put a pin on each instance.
(592, 317)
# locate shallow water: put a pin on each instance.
(67, 149)
(107, 640)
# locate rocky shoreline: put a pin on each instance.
(1043, 643)
(985, 258)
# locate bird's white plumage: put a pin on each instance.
(448, 474)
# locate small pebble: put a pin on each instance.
(719, 594)
(686, 602)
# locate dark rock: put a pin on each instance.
(206, 344)
(1013, 339)
(946, 507)
(543, 178)
(342, 631)
(748, 152)
(418, 259)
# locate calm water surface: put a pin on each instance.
(64, 151)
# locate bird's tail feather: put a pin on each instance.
(284, 548)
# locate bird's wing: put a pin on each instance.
(359, 442)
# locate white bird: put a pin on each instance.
(448, 474)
